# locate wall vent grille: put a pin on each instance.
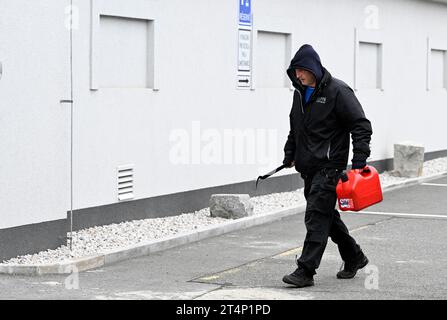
(125, 182)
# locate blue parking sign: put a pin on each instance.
(245, 12)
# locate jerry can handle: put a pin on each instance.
(365, 172)
(366, 169)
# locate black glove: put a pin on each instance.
(358, 164)
(288, 162)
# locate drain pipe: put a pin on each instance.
(70, 101)
(70, 236)
(71, 125)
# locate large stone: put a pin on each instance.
(231, 206)
(408, 159)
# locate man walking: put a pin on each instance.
(324, 113)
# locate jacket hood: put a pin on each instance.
(306, 58)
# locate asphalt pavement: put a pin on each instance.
(404, 237)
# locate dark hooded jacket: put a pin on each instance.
(320, 129)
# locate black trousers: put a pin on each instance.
(323, 220)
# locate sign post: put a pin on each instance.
(245, 26)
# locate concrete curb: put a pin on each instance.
(142, 249)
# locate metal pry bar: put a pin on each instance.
(269, 174)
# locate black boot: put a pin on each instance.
(350, 269)
(299, 278)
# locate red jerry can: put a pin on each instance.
(359, 189)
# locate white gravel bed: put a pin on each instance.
(99, 240)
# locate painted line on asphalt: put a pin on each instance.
(399, 214)
(216, 276)
(360, 228)
(290, 252)
(219, 274)
(434, 184)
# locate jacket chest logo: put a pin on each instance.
(321, 100)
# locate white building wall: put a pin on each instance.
(194, 84)
(34, 126)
